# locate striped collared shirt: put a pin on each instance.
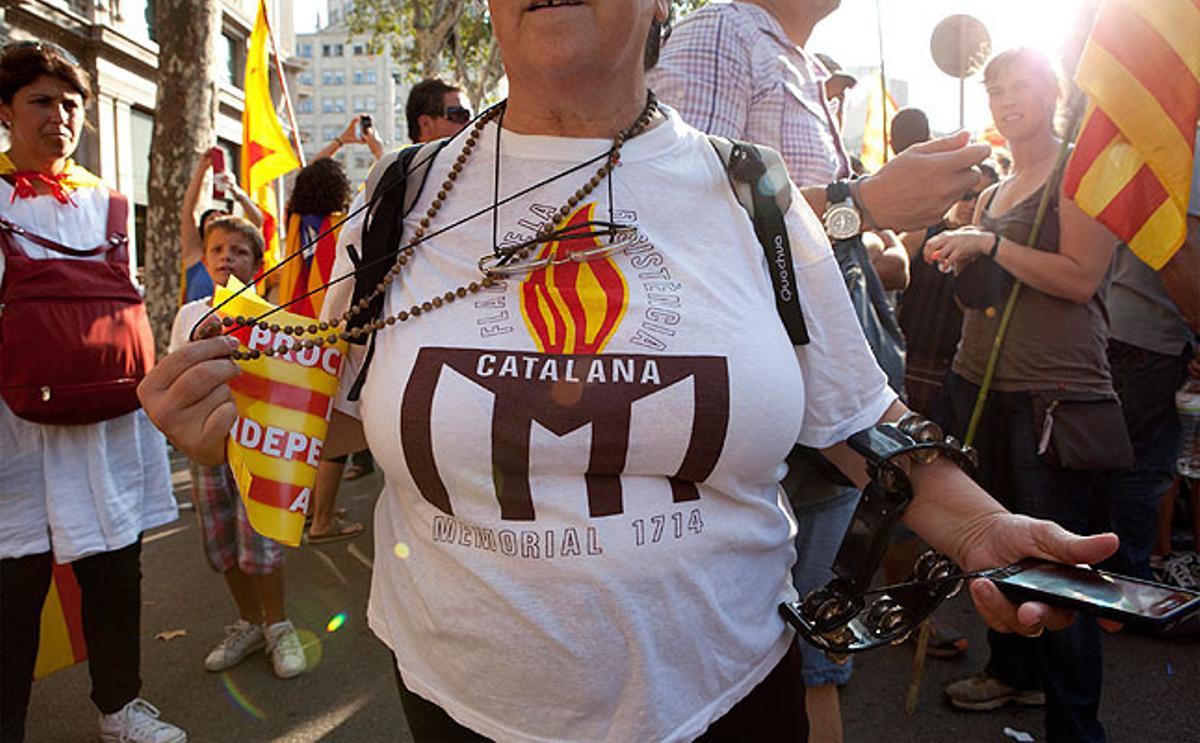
(731, 70)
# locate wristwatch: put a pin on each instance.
(842, 218)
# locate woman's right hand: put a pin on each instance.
(187, 396)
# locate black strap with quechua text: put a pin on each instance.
(746, 166)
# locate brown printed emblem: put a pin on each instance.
(563, 392)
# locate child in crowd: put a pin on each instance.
(251, 563)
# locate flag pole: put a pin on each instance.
(287, 98)
(882, 80)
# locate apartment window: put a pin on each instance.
(372, 77)
(333, 105)
(368, 103)
(360, 50)
(305, 105)
(305, 136)
(331, 50)
(359, 77)
(307, 78)
(227, 61)
(333, 77)
(330, 133)
(305, 50)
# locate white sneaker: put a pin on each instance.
(138, 722)
(287, 654)
(241, 638)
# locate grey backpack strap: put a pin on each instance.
(760, 183)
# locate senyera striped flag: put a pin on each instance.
(283, 403)
(1132, 164)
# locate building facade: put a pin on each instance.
(114, 41)
(340, 80)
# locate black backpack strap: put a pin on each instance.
(760, 184)
(392, 190)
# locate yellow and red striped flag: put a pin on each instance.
(877, 132)
(60, 644)
(284, 403)
(1131, 169)
(266, 152)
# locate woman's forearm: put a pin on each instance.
(1055, 274)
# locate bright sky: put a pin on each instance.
(849, 35)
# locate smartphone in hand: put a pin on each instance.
(364, 124)
(218, 166)
(1097, 592)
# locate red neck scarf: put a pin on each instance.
(23, 187)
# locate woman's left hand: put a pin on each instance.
(955, 249)
(1008, 538)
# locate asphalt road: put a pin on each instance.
(1151, 689)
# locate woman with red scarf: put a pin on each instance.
(84, 473)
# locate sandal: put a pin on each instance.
(341, 530)
(355, 471)
(338, 513)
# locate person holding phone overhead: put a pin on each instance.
(197, 284)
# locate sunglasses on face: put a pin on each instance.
(457, 114)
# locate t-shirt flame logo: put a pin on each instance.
(572, 307)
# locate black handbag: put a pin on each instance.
(1081, 430)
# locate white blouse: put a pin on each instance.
(76, 490)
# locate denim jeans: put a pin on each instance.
(821, 526)
(1146, 382)
(1067, 664)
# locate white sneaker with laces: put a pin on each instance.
(287, 654)
(241, 639)
(137, 722)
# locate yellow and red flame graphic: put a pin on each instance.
(574, 307)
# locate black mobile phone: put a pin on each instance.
(364, 123)
(1097, 592)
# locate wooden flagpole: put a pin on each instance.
(287, 98)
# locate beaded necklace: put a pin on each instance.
(318, 334)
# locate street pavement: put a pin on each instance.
(1151, 688)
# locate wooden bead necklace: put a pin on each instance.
(320, 332)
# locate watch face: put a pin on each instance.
(842, 222)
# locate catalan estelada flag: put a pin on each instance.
(60, 644)
(266, 152)
(1132, 165)
(311, 269)
(283, 404)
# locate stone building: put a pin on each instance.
(340, 80)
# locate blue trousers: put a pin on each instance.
(1146, 382)
(1067, 664)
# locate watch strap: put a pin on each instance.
(836, 193)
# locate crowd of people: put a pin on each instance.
(642, 330)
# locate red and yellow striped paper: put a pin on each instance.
(1131, 169)
(284, 403)
(61, 643)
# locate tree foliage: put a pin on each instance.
(430, 38)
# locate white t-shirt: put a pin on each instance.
(186, 319)
(76, 490)
(581, 535)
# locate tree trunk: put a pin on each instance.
(183, 128)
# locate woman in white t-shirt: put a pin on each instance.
(580, 535)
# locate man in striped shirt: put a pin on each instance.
(740, 70)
